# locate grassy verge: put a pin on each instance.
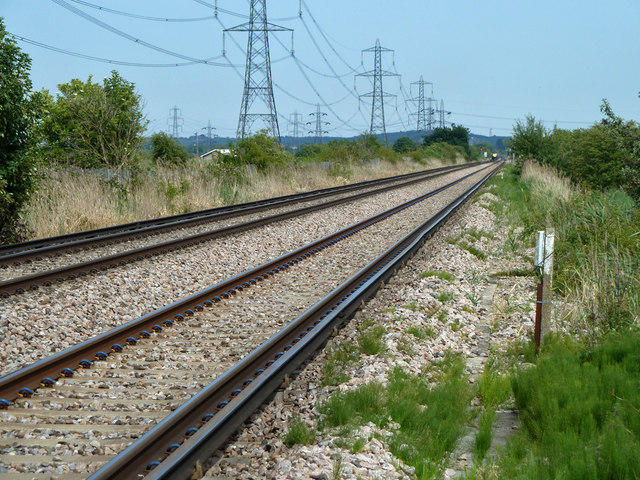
(71, 200)
(580, 413)
(597, 254)
(425, 420)
(579, 404)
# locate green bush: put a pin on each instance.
(404, 145)
(167, 149)
(261, 150)
(456, 135)
(94, 125)
(626, 134)
(20, 110)
(444, 151)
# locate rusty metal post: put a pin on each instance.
(538, 325)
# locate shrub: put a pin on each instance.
(404, 145)
(92, 124)
(579, 414)
(167, 149)
(20, 110)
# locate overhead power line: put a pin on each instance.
(106, 26)
(141, 17)
(306, 8)
(106, 60)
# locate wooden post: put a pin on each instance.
(547, 283)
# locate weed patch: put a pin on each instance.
(580, 413)
(445, 296)
(422, 332)
(429, 419)
(339, 359)
(299, 433)
(449, 277)
(371, 341)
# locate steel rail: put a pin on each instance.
(106, 343)
(38, 249)
(194, 431)
(31, 282)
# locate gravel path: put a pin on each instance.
(409, 300)
(36, 324)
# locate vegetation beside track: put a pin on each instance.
(578, 400)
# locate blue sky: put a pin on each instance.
(491, 61)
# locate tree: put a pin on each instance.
(95, 125)
(404, 145)
(528, 138)
(19, 112)
(261, 150)
(167, 149)
(456, 135)
(627, 137)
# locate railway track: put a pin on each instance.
(132, 234)
(140, 372)
(48, 273)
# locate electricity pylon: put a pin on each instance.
(208, 129)
(442, 113)
(295, 123)
(319, 130)
(175, 121)
(378, 94)
(258, 88)
(422, 127)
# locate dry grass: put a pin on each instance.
(606, 297)
(547, 179)
(75, 200)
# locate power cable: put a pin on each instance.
(106, 60)
(141, 17)
(335, 75)
(239, 15)
(306, 7)
(106, 26)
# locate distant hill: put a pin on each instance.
(204, 145)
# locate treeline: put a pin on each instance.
(444, 143)
(604, 156)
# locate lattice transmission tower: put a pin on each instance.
(175, 121)
(319, 124)
(423, 122)
(295, 121)
(442, 113)
(257, 99)
(378, 94)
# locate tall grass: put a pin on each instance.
(597, 250)
(580, 413)
(71, 200)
